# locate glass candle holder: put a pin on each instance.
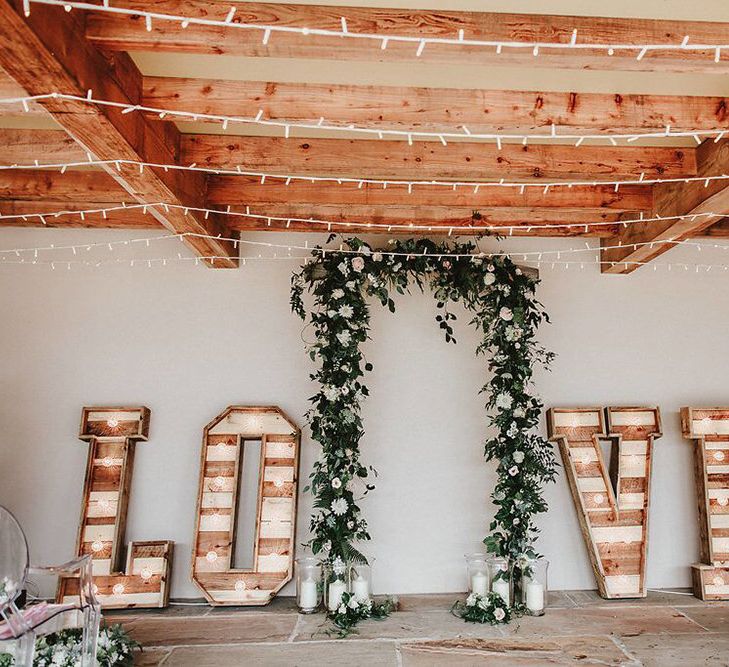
(534, 586)
(335, 584)
(477, 571)
(501, 580)
(308, 584)
(360, 581)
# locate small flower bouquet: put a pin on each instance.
(351, 611)
(489, 608)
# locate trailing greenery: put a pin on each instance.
(63, 649)
(500, 299)
(351, 611)
(489, 608)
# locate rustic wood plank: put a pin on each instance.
(48, 146)
(432, 160)
(224, 190)
(129, 33)
(436, 109)
(671, 199)
(119, 219)
(48, 52)
(73, 186)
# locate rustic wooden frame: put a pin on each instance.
(214, 540)
(112, 433)
(611, 503)
(708, 430)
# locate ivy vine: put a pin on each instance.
(501, 300)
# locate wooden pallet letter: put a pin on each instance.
(708, 428)
(112, 434)
(612, 498)
(220, 484)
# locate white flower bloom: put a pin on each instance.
(358, 264)
(499, 496)
(518, 456)
(346, 311)
(337, 294)
(336, 483)
(446, 265)
(518, 272)
(483, 604)
(377, 257)
(350, 525)
(506, 315)
(489, 279)
(331, 393)
(343, 268)
(519, 412)
(353, 604)
(504, 401)
(499, 614)
(342, 609)
(514, 470)
(344, 337)
(350, 284)
(513, 430)
(339, 506)
(344, 389)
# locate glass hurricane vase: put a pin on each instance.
(534, 586)
(308, 584)
(477, 573)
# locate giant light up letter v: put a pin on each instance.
(222, 480)
(112, 434)
(612, 502)
(709, 430)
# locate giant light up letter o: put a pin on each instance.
(225, 441)
(112, 434)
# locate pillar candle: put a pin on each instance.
(361, 589)
(534, 596)
(307, 594)
(501, 586)
(479, 583)
(336, 590)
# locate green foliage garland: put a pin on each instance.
(500, 298)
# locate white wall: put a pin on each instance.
(187, 342)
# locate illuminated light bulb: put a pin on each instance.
(104, 504)
(598, 498)
(107, 462)
(222, 445)
(96, 546)
(718, 580)
(719, 456)
(211, 556)
(723, 501)
(145, 573)
(218, 482)
(585, 460)
(240, 585)
(118, 589)
(113, 422)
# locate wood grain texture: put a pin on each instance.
(436, 109)
(47, 51)
(215, 523)
(129, 33)
(143, 581)
(612, 498)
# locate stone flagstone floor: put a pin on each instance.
(665, 629)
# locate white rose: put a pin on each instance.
(337, 294)
(514, 470)
(518, 457)
(377, 257)
(342, 609)
(358, 264)
(353, 604)
(499, 614)
(343, 268)
(489, 279)
(344, 337)
(506, 315)
(336, 483)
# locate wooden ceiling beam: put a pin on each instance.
(48, 52)
(33, 209)
(128, 33)
(437, 109)
(362, 218)
(432, 160)
(644, 242)
(74, 186)
(223, 190)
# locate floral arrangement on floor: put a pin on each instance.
(490, 608)
(351, 611)
(63, 649)
(501, 300)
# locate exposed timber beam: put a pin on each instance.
(644, 242)
(127, 33)
(431, 160)
(438, 109)
(48, 52)
(35, 215)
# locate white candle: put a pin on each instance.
(479, 583)
(336, 590)
(534, 596)
(501, 586)
(361, 589)
(307, 594)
